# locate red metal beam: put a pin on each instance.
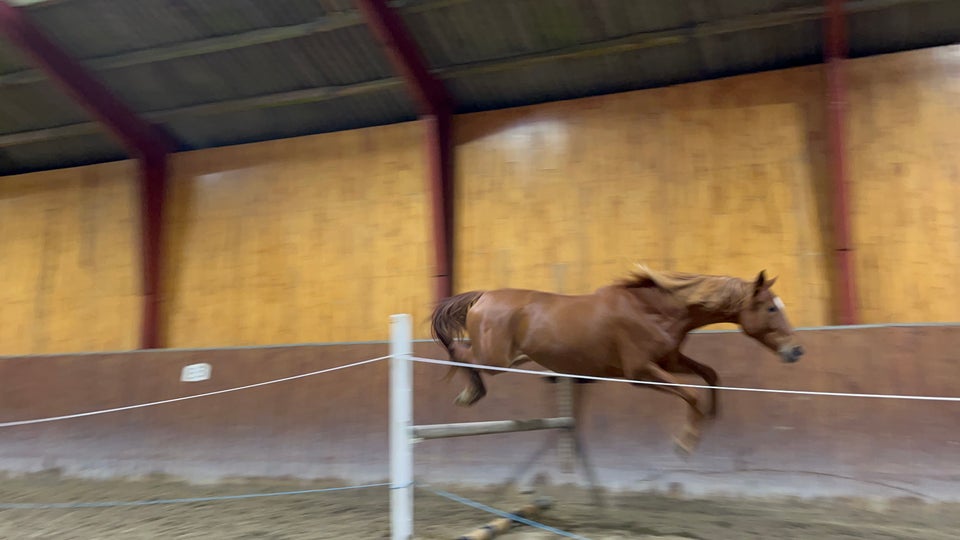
(436, 109)
(137, 135)
(387, 26)
(142, 139)
(836, 52)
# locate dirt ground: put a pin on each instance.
(363, 514)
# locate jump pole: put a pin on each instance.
(401, 422)
(403, 433)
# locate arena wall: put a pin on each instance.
(334, 426)
(320, 238)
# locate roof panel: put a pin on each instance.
(477, 31)
(94, 28)
(570, 78)
(11, 59)
(879, 32)
(344, 56)
(347, 112)
(338, 58)
(727, 9)
(762, 49)
(67, 152)
(621, 17)
(36, 106)
(451, 33)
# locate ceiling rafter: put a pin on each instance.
(632, 42)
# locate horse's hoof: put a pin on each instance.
(467, 398)
(685, 445)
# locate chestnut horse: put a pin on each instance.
(633, 329)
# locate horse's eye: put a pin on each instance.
(772, 309)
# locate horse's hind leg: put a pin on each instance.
(684, 365)
(475, 389)
(709, 375)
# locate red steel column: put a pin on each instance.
(141, 139)
(435, 107)
(836, 51)
(153, 184)
(439, 149)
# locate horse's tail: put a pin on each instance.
(449, 322)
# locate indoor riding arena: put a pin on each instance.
(476, 269)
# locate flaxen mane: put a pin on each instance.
(714, 293)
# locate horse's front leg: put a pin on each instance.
(690, 437)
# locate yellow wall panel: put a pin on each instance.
(313, 239)
(905, 172)
(71, 271)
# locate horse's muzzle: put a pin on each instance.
(791, 354)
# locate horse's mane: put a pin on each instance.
(713, 293)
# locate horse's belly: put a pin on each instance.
(578, 362)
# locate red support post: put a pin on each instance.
(142, 139)
(436, 111)
(153, 184)
(836, 51)
(439, 147)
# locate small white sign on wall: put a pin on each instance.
(195, 372)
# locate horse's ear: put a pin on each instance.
(760, 283)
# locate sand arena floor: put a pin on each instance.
(363, 514)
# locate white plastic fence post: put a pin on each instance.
(401, 422)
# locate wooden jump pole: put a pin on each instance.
(498, 526)
(469, 429)
(403, 433)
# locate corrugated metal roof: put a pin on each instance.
(763, 48)
(11, 60)
(36, 106)
(477, 31)
(336, 58)
(728, 9)
(913, 26)
(389, 106)
(219, 72)
(67, 152)
(575, 77)
(96, 28)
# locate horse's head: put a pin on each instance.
(763, 319)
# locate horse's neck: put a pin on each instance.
(698, 318)
(679, 319)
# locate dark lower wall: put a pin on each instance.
(335, 425)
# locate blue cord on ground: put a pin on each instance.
(114, 504)
(508, 515)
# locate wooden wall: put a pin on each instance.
(905, 163)
(716, 177)
(320, 238)
(69, 278)
(314, 239)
